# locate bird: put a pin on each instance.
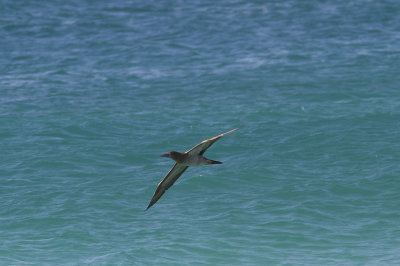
(192, 157)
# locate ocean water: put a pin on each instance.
(91, 93)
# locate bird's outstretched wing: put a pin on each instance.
(173, 175)
(205, 144)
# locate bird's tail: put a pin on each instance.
(213, 162)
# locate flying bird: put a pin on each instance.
(192, 157)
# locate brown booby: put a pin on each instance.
(192, 157)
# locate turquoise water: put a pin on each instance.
(92, 93)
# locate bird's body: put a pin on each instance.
(189, 159)
(196, 160)
(192, 157)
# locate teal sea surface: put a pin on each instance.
(92, 92)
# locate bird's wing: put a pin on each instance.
(173, 175)
(205, 144)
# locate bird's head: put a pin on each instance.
(170, 154)
(174, 155)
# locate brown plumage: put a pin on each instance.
(192, 157)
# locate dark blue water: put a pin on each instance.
(92, 93)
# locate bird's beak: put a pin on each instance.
(164, 155)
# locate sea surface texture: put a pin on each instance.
(92, 92)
